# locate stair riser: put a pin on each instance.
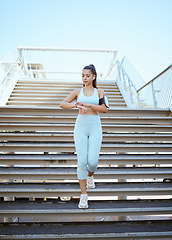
(67, 149)
(115, 129)
(68, 119)
(86, 215)
(59, 163)
(76, 193)
(97, 176)
(44, 111)
(70, 139)
(59, 96)
(63, 86)
(109, 93)
(57, 89)
(53, 104)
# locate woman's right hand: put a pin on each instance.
(81, 107)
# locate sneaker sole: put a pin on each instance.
(83, 207)
(90, 187)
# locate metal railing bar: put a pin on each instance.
(127, 76)
(65, 49)
(110, 70)
(9, 70)
(51, 71)
(155, 78)
(26, 70)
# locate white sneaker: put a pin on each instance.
(90, 182)
(83, 203)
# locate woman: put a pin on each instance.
(88, 131)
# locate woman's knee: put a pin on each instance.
(81, 174)
(92, 165)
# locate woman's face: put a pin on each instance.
(87, 77)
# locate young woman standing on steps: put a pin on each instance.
(88, 130)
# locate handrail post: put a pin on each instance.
(138, 99)
(153, 95)
(123, 75)
(130, 91)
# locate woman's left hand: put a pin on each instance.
(86, 104)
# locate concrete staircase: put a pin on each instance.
(50, 93)
(38, 183)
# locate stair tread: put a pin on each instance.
(73, 156)
(51, 134)
(72, 124)
(101, 206)
(13, 115)
(119, 112)
(72, 170)
(72, 144)
(156, 186)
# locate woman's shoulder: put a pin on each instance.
(100, 92)
(77, 91)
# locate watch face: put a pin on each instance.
(106, 101)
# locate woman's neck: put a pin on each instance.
(89, 87)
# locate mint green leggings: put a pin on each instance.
(88, 139)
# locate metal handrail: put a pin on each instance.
(127, 75)
(43, 49)
(9, 70)
(113, 65)
(155, 78)
(65, 49)
(26, 70)
(165, 96)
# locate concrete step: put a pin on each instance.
(56, 111)
(45, 103)
(60, 95)
(62, 83)
(69, 137)
(151, 229)
(69, 173)
(37, 118)
(55, 98)
(57, 88)
(56, 84)
(70, 147)
(115, 128)
(49, 91)
(59, 160)
(54, 209)
(41, 190)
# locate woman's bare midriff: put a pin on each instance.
(89, 112)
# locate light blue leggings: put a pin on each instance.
(88, 139)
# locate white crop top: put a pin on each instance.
(94, 99)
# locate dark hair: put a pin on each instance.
(93, 69)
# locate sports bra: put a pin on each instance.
(94, 99)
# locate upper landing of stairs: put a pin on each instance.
(49, 93)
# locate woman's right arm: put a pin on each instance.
(67, 102)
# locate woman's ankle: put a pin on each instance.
(90, 174)
(84, 192)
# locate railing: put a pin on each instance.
(125, 83)
(55, 65)
(157, 93)
(8, 82)
(129, 85)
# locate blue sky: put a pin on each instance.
(140, 30)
